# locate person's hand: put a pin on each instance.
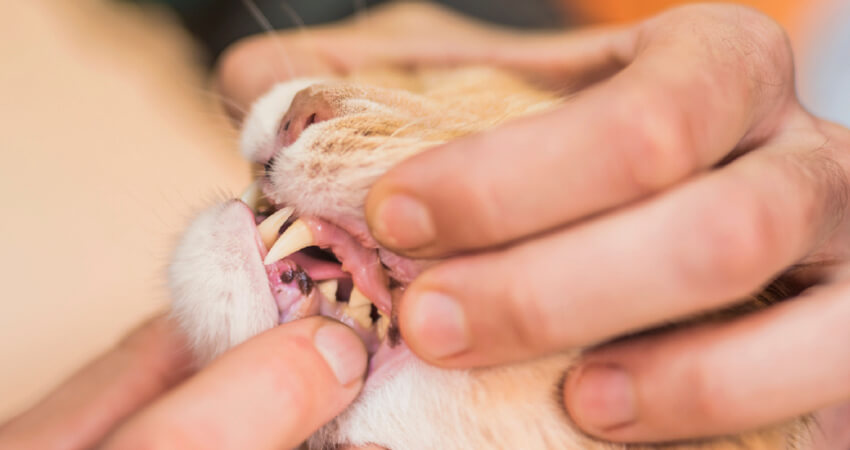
(684, 176)
(273, 391)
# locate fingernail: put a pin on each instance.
(439, 325)
(404, 222)
(342, 350)
(603, 397)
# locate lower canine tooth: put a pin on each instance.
(270, 227)
(252, 195)
(296, 237)
(328, 290)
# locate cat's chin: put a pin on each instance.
(237, 273)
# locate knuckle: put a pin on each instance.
(731, 242)
(762, 28)
(709, 401)
(535, 325)
(761, 46)
(768, 41)
(662, 148)
(492, 207)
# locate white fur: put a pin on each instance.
(219, 286)
(259, 129)
(423, 407)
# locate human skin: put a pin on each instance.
(270, 392)
(684, 175)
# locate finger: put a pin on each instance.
(412, 35)
(270, 392)
(84, 408)
(762, 369)
(699, 247)
(682, 104)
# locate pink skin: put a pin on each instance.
(362, 263)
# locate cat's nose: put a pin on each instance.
(308, 107)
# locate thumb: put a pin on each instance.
(273, 391)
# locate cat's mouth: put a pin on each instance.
(315, 267)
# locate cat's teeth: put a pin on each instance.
(296, 237)
(270, 227)
(358, 299)
(360, 315)
(359, 308)
(382, 326)
(328, 290)
(252, 195)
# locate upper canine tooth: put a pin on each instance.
(328, 290)
(252, 195)
(270, 227)
(296, 237)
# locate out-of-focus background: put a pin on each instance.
(111, 138)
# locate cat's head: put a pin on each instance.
(298, 245)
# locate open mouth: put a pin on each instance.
(314, 267)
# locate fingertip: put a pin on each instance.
(343, 351)
(600, 398)
(434, 325)
(399, 219)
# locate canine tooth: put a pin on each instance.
(296, 237)
(358, 299)
(252, 195)
(269, 228)
(328, 289)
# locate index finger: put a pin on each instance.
(273, 391)
(690, 93)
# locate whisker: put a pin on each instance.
(261, 19)
(396, 132)
(303, 33)
(293, 15)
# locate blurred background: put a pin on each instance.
(111, 138)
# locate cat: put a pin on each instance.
(297, 245)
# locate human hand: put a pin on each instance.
(270, 392)
(683, 177)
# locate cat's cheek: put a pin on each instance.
(219, 287)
